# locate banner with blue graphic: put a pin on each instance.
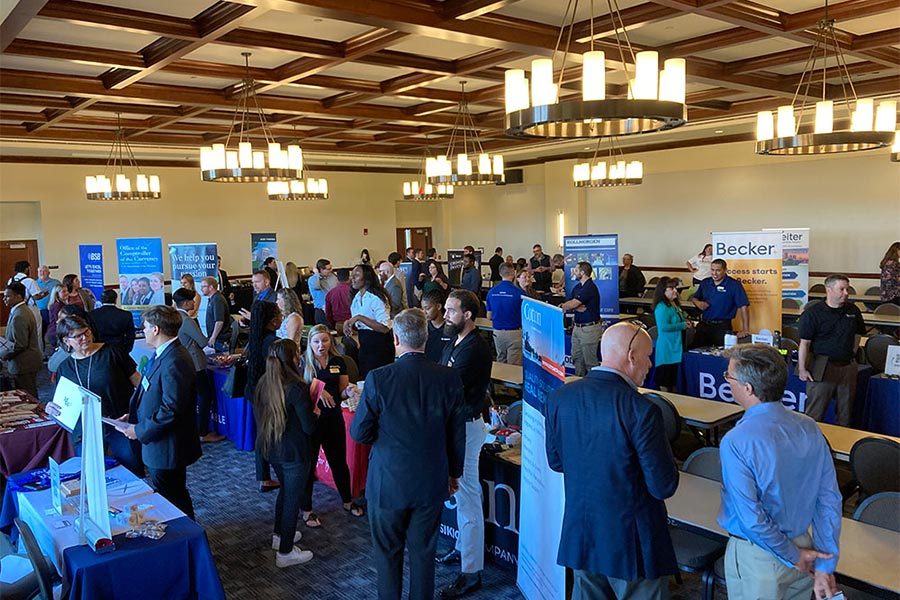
(196, 260)
(141, 279)
(542, 492)
(602, 251)
(91, 259)
(262, 246)
(795, 265)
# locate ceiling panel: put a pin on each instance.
(82, 35)
(185, 9)
(169, 78)
(306, 26)
(551, 13)
(435, 48)
(27, 63)
(889, 20)
(365, 72)
(675, 30)
(231, 55)
(750, 50)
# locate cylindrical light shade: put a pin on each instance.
(765, 126)
(886, 116)
(543, 91)
(123, 184)
(90, 184)
(206, 158)
(429, 189)
(259, 160)
(498, 166)
(593, 76)
(896, 146)
(323, 186)
(824, 116)
(430, 167)
(647, 75)
(154, 183)
(516, 90)
(598, 171)
(141, 182)
(863, 115)
(671, 81)
(295, 157)
(634, 170)
(484, 164)
(785, 123)
(407, 189)
(218, 151)
(581, 172)
(231, 159)
(463, 164)
(245, 155)
(274, 155)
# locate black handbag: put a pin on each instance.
(236, 380)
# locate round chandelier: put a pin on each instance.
(241, 162)
(455, 167)
(419, 190)
(101, 187)
(654, 101)
(615, 171)
(779, 134)
(298, 189)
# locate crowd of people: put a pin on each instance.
(410, 355)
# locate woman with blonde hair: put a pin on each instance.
(286, 422)
(322, 362)
(292, 312)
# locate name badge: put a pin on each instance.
(334, 369)
(720, 288)
(145, 383)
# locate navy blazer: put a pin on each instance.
(115, 326)
(609, 443)
(412, 413)
(165, 413)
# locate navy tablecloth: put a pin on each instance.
(232, 417)
(178, 565)
(701, 376)
(881, 413)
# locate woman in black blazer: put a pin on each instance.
(286, 422)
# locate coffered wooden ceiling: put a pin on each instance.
(362, 78)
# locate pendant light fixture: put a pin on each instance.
(121, 157)
(237, 161)
(614, 171)
(654, 102)
(298, 189)
(455, 167)
(779, 134)
(419, 190)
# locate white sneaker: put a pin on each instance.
(295, 557)
(276, 539)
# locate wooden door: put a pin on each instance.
(415, 237)
(12, 252)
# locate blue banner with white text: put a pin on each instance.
(262, 247)
(602, 252)
(91, 259)
(141, 279)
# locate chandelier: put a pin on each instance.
(654, 102)
(613, 172)
(454, 169)
(419, 189)
(242, 163)
(101, 187)
(779, 134)
(298, 189)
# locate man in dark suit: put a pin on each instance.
(114, 325)
(609, 443)
(21, 351)
(411, 411)
(162, 414)
(470, 355)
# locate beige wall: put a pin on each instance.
(851, 202)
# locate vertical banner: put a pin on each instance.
(795, 265)
(754, 258)
(455, 265)
(198, 260)
(141, 269)
(262, 246)
(542, 493)
(91, 259)
(602, 251)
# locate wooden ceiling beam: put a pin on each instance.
(53, 116)
(711, 41)
(75, 54)
(16, 19)
(839, 11)
(29, 100)
(123, 19)
(469, 9)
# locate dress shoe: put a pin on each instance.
(268, 486)
(462, 586)
(211, 437)
(451, 558)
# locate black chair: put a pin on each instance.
(46, 574)
(671, 418)
(647, 319)
(875, 290)
(790, 332)
(818, 288)
(653, 332)
(25, 587)
(851, 290)
(789, 345)
(876, 350)
(789, 303)
(695, 552)
(880, 510)
(887, 308)
(689, 334)
(653, 281)
(875, 463)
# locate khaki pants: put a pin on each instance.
(469, 508)
(508, 343)
(752, 573)
(593, 586)
(584, 347)
(838, 382)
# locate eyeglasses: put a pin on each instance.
(638, 327)
(78, 336)
(728, 377)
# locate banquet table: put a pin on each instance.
(881, 411)
(231, 417)
(357, 461)
(178, 565)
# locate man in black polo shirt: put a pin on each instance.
(830, 331)
(471, 355)
(539, 265)
(585, 302)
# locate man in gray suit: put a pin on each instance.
(412, 413)
(21, 351)
(392, 286)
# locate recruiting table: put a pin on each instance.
(27, 446)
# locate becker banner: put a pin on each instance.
(754, 258)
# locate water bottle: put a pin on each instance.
(776, 340)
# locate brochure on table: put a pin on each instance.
(542, 492)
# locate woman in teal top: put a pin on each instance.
(670, 322)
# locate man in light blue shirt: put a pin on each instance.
(320, 283)
(777, 480)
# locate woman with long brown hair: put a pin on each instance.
(286, 422)
(890, 274)
(670, 323)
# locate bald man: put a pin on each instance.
(610, 444)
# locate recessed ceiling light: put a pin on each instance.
(720, 131)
